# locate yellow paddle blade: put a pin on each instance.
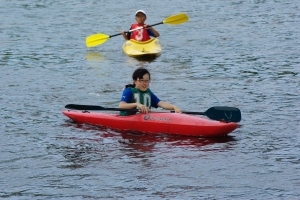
(96, 39)
(176, 19)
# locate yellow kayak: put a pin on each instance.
(135, 48)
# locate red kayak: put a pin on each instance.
(155, 122)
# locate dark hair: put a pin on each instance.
(138, 74)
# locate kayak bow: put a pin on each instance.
(135, 48)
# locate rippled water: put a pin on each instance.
(233, 53)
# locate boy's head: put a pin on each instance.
(141, 78)
(140, 13)
(140, 17)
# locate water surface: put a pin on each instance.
(243, 54)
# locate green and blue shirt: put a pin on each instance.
(134, 95)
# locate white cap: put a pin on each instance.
(140, 11)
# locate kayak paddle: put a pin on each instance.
(100, 38)
(219, 113)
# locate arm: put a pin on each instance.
(124, 35)
(127, 35)
(125, 102)
(169, 106)
(141, 107)
(155, 33)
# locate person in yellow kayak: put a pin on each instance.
(138, 95)
(145, 31)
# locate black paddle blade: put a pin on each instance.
(223, 113)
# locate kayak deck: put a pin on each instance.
(155, 122)
(135, 48)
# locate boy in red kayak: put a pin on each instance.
(138, 95)
(144, 30)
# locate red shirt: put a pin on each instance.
(141, 34)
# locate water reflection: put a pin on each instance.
(146, 58)
(102, 143)
(141, 60)
(149, 142)
(97, 57)
(94, 56)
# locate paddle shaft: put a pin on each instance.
(92, 107)
(192, 113)
(135, 29)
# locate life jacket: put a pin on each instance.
(140, 97)
(139, 35)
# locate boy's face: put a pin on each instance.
(142, 84)
(140, 18)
